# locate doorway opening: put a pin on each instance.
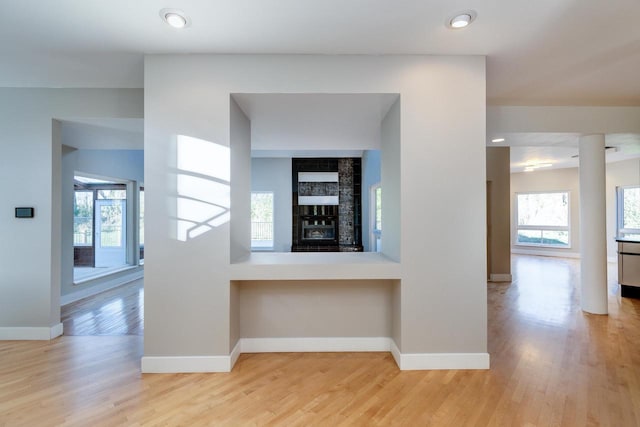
(100, 237)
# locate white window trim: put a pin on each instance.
(620, 230)
(566, 228)
(374, 233)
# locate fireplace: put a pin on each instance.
(318, 225)
(326, 205)
(313, 231)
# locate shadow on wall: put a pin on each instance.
(203, 178)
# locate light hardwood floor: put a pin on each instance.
(551, 365)
(118, 311)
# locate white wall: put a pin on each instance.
(274, 174)
(30, 168)
(291, 309)
(392, 180)
(618, 174)
(240, 156)
(123, 164)
(443, 306)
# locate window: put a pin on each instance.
(543, 219)
(262, 220)
(112, 194)
(376, 218)
(629, 212)
(83, 218)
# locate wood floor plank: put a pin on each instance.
(551, 365)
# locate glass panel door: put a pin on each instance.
(110, 219)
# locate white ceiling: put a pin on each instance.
(559, 149)
(544, 52)
(103, 133)
(294, 123)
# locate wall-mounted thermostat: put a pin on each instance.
(24, 212)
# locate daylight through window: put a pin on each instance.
(262, 220)
(629, 212)
(543, 219)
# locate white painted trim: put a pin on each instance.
(395, 352)
(235, 353)
(102, 287)
(180, 364)
(613, 259)
(31, 333)
(560, 254)
(56, 331)
(320, 344)
(500, 278)
(406, 362)
(433, 361)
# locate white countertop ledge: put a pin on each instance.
(315, 266)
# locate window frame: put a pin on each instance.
(273, 222)
(93, 201)
(621, 231)
(543, 228)
(375, 233)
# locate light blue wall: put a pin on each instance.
(274, 174)
(124, 164)
(370, 176)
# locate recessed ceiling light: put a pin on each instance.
(462, 19)
(497, 140)
(175, 18)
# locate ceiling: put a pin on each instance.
(543, 52)
(103, 133)
(290, 124)
(561, 149)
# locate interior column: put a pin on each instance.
(593, 236)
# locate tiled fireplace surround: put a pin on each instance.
(349, 224)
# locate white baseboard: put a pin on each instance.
(179, 364)
(321, 344)
(500, 278)
(31, 333)
(112, 283)
(235, 353)
(437, 361)
(406, 362)
(395, 352)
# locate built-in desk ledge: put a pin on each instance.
(315, 266)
